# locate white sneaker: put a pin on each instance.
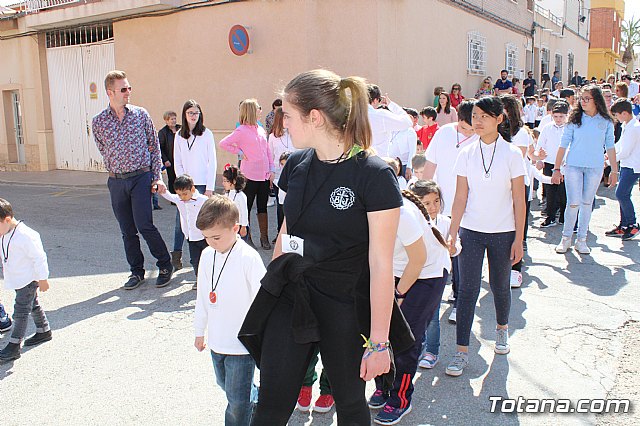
(502, 341)
(582, 247)
(516, 279)
(452, 297)
(452, 315)
(564, 245)
(271, 202)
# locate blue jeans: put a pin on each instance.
(432, 335)
(131, 203)
(498, 249)
(628, 179)
(581, 184)
(234, 374)
(154, 200)
(3, 313)
(178, 236)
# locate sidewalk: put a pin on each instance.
(58, 178)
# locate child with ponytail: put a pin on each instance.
(233, 182)
(431, 196)
(421, 265)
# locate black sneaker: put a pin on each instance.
(11, 352)
(548, 223)
(38, 338)
(630, 232)
(6, 324)
(133, 282)
(164, 276)
(378, 399)
(618, 231)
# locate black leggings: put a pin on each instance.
(259, 188)
(284, 362)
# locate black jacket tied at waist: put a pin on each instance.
(346, 278)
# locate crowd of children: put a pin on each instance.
(457, 187)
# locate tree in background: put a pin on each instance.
(630, 40)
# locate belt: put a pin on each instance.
(129, 174)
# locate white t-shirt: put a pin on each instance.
(237, 287)
(542, 110)
(240, 199)
(411, 228)
(523, 139)
(489, 202)
(530, 111)
(404, 145)
(196, 156)
(443, 152)
(549, 140)
(189, 213)
(383, 123)
(278, 147)
(26, 260)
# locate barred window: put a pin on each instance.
(544, 61)
(511, 58)
(79, 35)
(570, 60)
(558, 64)
(476, 59)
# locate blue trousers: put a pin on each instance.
(628, 179)
(131, 203)
(234, 374)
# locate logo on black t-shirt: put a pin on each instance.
(342, 198)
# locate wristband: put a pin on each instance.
(374, 347)
(556, 170)
(400, 295)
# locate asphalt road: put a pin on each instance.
(127, 357)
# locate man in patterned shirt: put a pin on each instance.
(128, 142)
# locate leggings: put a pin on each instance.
(284, 362)
(498, 249)
(261, 190)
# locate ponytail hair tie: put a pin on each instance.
(227, 166)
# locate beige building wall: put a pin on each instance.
(407, 47)
(24, 70)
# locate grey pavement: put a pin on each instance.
(127, 357)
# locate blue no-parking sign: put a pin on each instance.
(239, 40)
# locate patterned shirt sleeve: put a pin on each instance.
(154, 147)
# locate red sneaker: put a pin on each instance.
(304, 399)
(323, 404)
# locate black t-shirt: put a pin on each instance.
(530, 91)
(327, 204)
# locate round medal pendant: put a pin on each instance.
(487, 175)
(213, 298)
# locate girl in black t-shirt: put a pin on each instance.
(331, 279)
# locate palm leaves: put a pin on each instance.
(630, 39)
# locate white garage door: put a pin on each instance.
(76, 85)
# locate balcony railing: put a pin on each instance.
(546, 13)
(34, 6)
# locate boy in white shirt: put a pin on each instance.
(530, 111)
(189, 201)
(229, 279)
(541, 111)
(25, 269)
(546, 150)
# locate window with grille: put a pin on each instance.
(476, 56)
(570, 60)
(544, 61)
(558, 65)
(511, 59)
(79, 35)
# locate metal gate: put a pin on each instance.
(76, 86)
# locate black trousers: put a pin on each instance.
(195, 251)
(518, 266)
(257, 189)
(279, 208)
(131, 203)
(171, 178)
(284, 362)
(556, 195)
